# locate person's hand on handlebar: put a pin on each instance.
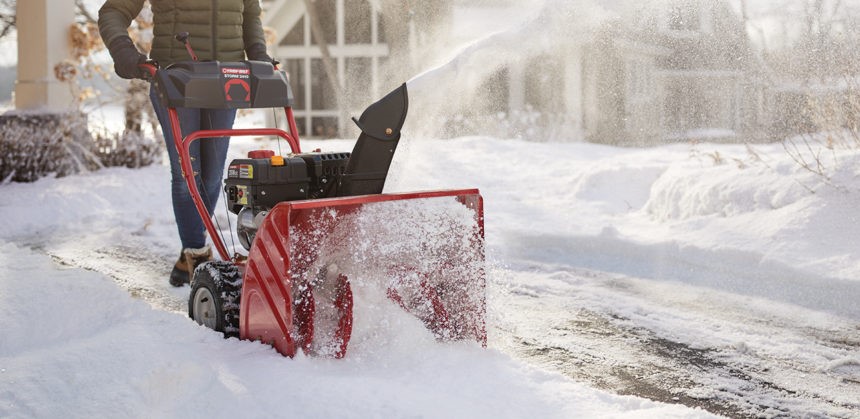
(257, 52)
(150, 67)
(127, 59)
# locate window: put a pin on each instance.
(685, 16)
(327, 13)
(544, 84)
(296, 69)
(639, 84)
(296, 36)
(380, 31)
(324, 127)
(357, 14)
(354, 46)
(323, 96)
(494, 94)
(358, 82)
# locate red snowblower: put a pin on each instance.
(316, 228)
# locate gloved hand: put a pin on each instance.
(257, 52)
(126, 58)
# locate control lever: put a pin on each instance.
(183, 38)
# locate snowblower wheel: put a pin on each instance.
(216, 289)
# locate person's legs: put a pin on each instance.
(213, 153)
(207, 160)
(188, 223)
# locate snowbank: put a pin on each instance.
(744, 220)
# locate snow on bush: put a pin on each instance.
(129, 149)
(34, 145)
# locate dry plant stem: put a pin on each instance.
(791, 147)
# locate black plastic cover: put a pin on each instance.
(325, 171)
(223, 85)
(257, 183)
(380, 126)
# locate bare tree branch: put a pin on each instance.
(82, 9)
(8, 14)
(7, 17)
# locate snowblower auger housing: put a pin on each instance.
(304, 217)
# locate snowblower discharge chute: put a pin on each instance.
(317, 225)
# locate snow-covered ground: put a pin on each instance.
(77, 344)
(730, 284)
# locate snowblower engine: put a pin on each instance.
(256, 184)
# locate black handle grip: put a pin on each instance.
(150, 67)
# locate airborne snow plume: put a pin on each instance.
(424, 251)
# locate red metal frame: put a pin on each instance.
(183, 148)
(183, 145)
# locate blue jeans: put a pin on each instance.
(208, 156)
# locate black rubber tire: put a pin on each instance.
(221, 281)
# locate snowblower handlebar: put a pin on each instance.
(222, 85)
(216, 85)
(150, 68)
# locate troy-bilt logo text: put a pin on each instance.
(237, 88)
(236, 73)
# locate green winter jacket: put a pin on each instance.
(219, 29)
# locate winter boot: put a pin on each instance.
(189, 259)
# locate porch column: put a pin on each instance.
(43, 41)
(573, 89)
(516, 87)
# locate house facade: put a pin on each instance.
(679, 71)
(714, 87)
(356, 45)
